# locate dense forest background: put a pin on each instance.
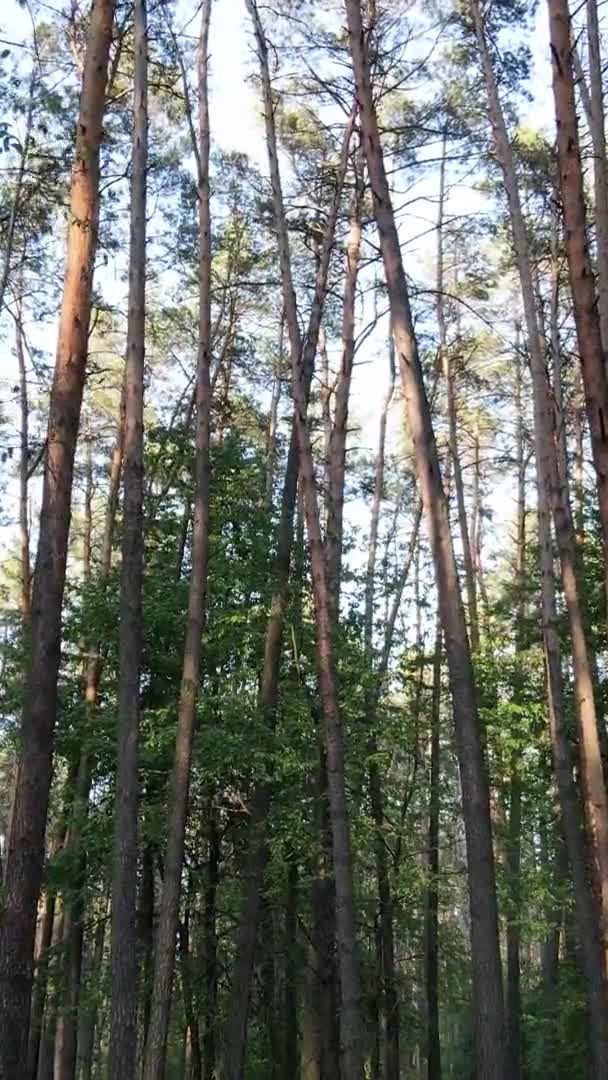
(304, 526)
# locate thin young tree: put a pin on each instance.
(431, 916)
(123, 1023)
(235, 1037)
(25, 856)
(346, 939)
(156, 1046)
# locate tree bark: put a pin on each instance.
(26, 840)
(123, 1018)
(156, 1047)
(487, 975)
(582, 281)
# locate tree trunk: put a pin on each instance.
(291, 972)
(24, 528)
(145, 919)
(235, 1036)
(348, 962)
(73, 932)
(445, 361)
(336, 463)
(513, 843)
(26, 840)
(210, 947)
(74, 902)
(40, 984)
(24, 149)
(588, 918)
(487, 976)
(46, 1056)
(156, 1048)
(433, 1043)
(196, 1061)
(553, 492)
(123, 1021)
(388, 1001)
(88, 1018)
(582, 281)
(600, 175)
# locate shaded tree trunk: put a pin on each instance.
(146, 938)
(445, 361)
(388, 1002)
(553, 494)
(156, 1047)
(210, 947)
(24, 529)
(431, 936)
(26, 840)
(513, 844)
(21, 176)
(336, 463)
(348, 962)
(291, 972)
(73, 931)
(88, 1016)
(46, 1056)
(600, 174)
(235, 1036)
(582, 281)
(123, 1018)
(196, 1061)
(487, 976)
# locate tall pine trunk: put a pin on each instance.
(553, 488)
(445, 360)
(582, 280)
(24, 528)
(597, 123)
(156, 1046)
(123, 1021)
(431, 915)
(26, 840)
(348, 963)
(235, 1036)
(487, 975)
